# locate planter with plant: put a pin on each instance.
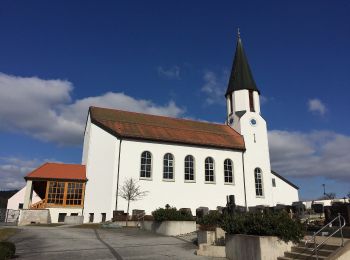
(268, 235)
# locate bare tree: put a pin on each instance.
(131, 191)
(328, 196)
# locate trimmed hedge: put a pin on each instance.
(7, 250)
(170, 213)
(210, 221)
(267, 224)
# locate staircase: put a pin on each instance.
(39, 205)
(319, 247)
(302, 251)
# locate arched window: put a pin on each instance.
(189, 168)
(209, 170)
(168, 169)
(146, 165)
(228, 171)
(258, 182)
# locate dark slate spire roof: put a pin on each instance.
(241, 76)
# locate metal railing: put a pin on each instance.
(341, 219)
(140, 216)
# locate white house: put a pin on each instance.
(17, 199)
(184, 163)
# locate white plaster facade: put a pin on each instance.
(18, 198)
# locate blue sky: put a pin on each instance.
(173, 58)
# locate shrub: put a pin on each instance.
(210, 221)
(171, 213)
(7, 250)
(268, 224)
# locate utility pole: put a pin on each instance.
(324, 189)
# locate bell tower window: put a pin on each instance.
(251, 101)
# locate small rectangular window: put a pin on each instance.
(251, 101)
(20, 206)
(273, 182)
(61, 217)
(74, 214)
(103, 215)
(91, 217)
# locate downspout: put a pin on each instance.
(116, 199)
(245, 192)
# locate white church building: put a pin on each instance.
(180, 162)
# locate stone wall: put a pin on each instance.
(37, 216)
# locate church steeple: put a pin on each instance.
(241, 76)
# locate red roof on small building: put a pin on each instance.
(123, 124)
(58, 171)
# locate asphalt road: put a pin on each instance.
(82, 243)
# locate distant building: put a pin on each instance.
(184, 163)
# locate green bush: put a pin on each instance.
(210, 221)
(7, 250)
(268, 224)
(171, 213)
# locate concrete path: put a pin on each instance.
(80, 243)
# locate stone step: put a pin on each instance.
(309, 250)
(324, 246)
(304, 256)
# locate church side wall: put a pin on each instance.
(179, 193)
(101, 171)
(283, 193)
(86, 142)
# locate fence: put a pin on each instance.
(9, 216)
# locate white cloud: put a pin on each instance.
(44, 108)
(318, 153)
(214, 87)
(12, 171)
(315, 105)
(171, 73)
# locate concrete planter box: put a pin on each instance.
(215, 237)
(211, 251)
(74, 220)
(169, 228)
(247, 247)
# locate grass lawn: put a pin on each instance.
(6, 233)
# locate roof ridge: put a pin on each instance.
(178, 128)
(168, 117)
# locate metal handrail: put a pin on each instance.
(340, 228)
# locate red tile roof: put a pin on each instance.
(58, 171)
(133, 125)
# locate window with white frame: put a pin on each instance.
(228, 171)
(168, 167)
(146, 165)
(258, 182)
(209, 170)
(189, 168)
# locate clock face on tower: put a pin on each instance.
(253, 122)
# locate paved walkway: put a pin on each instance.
(80, 243)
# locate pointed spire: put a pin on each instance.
(241, 76)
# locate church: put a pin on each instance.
(180, 162)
